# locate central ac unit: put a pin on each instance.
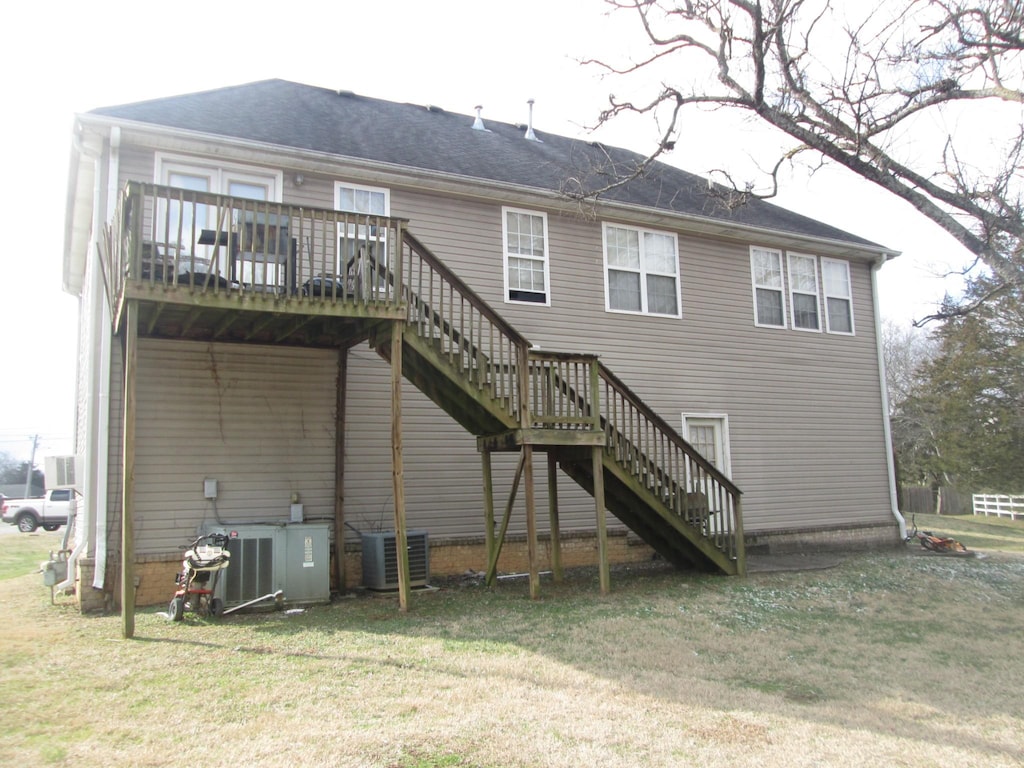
(380, 560)
(265, 558)
(255, 568)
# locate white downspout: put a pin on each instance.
(97, 337)
(82, 506)
(890, 460)
(103, 425)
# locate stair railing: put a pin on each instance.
(668, 467)
(463, 328)
(564, 391)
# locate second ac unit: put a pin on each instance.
(380, 560)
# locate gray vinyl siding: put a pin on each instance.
(805, 412)
(258, 419)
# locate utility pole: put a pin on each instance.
(31, 463)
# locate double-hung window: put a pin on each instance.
(812, 293)
(803, 291)
(525, 236)
(641, 271)
(362, 237)
(838, 296)
(769, 296)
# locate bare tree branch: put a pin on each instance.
(784, 61)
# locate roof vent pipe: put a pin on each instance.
(478, 124)
(530, 135)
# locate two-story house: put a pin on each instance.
(307, 308)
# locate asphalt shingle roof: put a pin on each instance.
(343, 124)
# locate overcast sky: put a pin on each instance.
(60, 60)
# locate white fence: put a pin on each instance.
(1000, 506)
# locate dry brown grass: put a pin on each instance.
(897, 659)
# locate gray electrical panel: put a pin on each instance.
(307, 575)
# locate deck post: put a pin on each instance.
(602, 531)
(556, 535)
(397, 468)
(531, 523)
(492, 560)
(339, 471)
(485, 461)
(130, 349)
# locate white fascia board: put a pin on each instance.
(78, 214)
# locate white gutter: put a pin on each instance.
(890, 460)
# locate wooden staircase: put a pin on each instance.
(469, 361)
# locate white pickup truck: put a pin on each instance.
(50, 511)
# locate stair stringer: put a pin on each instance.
(447, 385)
(681, 543)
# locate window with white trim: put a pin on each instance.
(769, 296)
(525, 238)
(641, 271)
(361, 241)
(371, 201)
(838, 296)
(803, 291)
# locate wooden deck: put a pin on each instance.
(189, 265)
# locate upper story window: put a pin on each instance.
(766, 275)
(803, 291)
(362, 238)
(838, 296)
(809, 291)
(525, 237)
(372, 201)
(641, 271)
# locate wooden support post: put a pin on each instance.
(492, 563)
(556, 535)
(341, 394)
(602, 531)
(485, 460)
(531, 523)
(397, 467)
(130, 348)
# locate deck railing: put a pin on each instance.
(209, 243)
(657, 457)
(564, 391)
(463, 328)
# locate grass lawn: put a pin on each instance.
(901, 658)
